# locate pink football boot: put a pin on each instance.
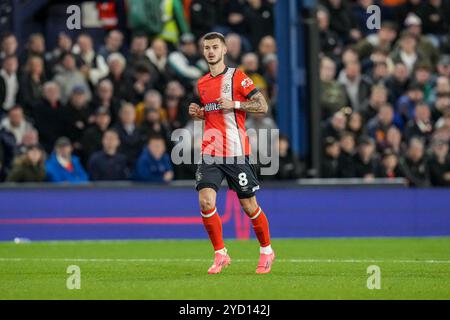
(265, 263)
(220, 261)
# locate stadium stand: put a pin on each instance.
(385, 94)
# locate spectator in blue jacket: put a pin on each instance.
(63, 166)
(154, 163)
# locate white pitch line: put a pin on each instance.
(233, 260)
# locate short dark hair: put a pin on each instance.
(156, 136)
(214, 35)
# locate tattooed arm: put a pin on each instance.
(256, 104)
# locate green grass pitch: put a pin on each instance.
(411, 268)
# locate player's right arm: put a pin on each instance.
(196, 112)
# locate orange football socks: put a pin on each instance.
(213, 226)
(261, 227)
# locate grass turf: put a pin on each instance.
(416, 268)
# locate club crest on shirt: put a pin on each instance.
(226, 88)
(247, 82)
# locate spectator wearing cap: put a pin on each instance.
(104, 98)
(186, 63)
(29, 167)
(76, 114)
(421, 126)
(130, 137)
(402, 11)
(62, 166)
(108, 164)
(413, 25)
(70, 77)
(404, 108)
(413, 164)
(333, 97)
(439, 163)
(365, 158)
(9, 83)
(330, 162)
(234, 50)
(117, 65)
(443, 65)
(31, 83)
(389, 167)
(154, 164)
(16, 123)
(49, 116)
(93, 65)
(91, 140)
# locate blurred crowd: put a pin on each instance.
(385, 93)
(104, 109)
(94, 109)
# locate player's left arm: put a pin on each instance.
(257, 104)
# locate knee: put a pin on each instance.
(249, 207)
(207, 203)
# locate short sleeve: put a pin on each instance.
(244, 84)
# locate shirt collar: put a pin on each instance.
(223, 72)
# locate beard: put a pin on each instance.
(215, 62)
